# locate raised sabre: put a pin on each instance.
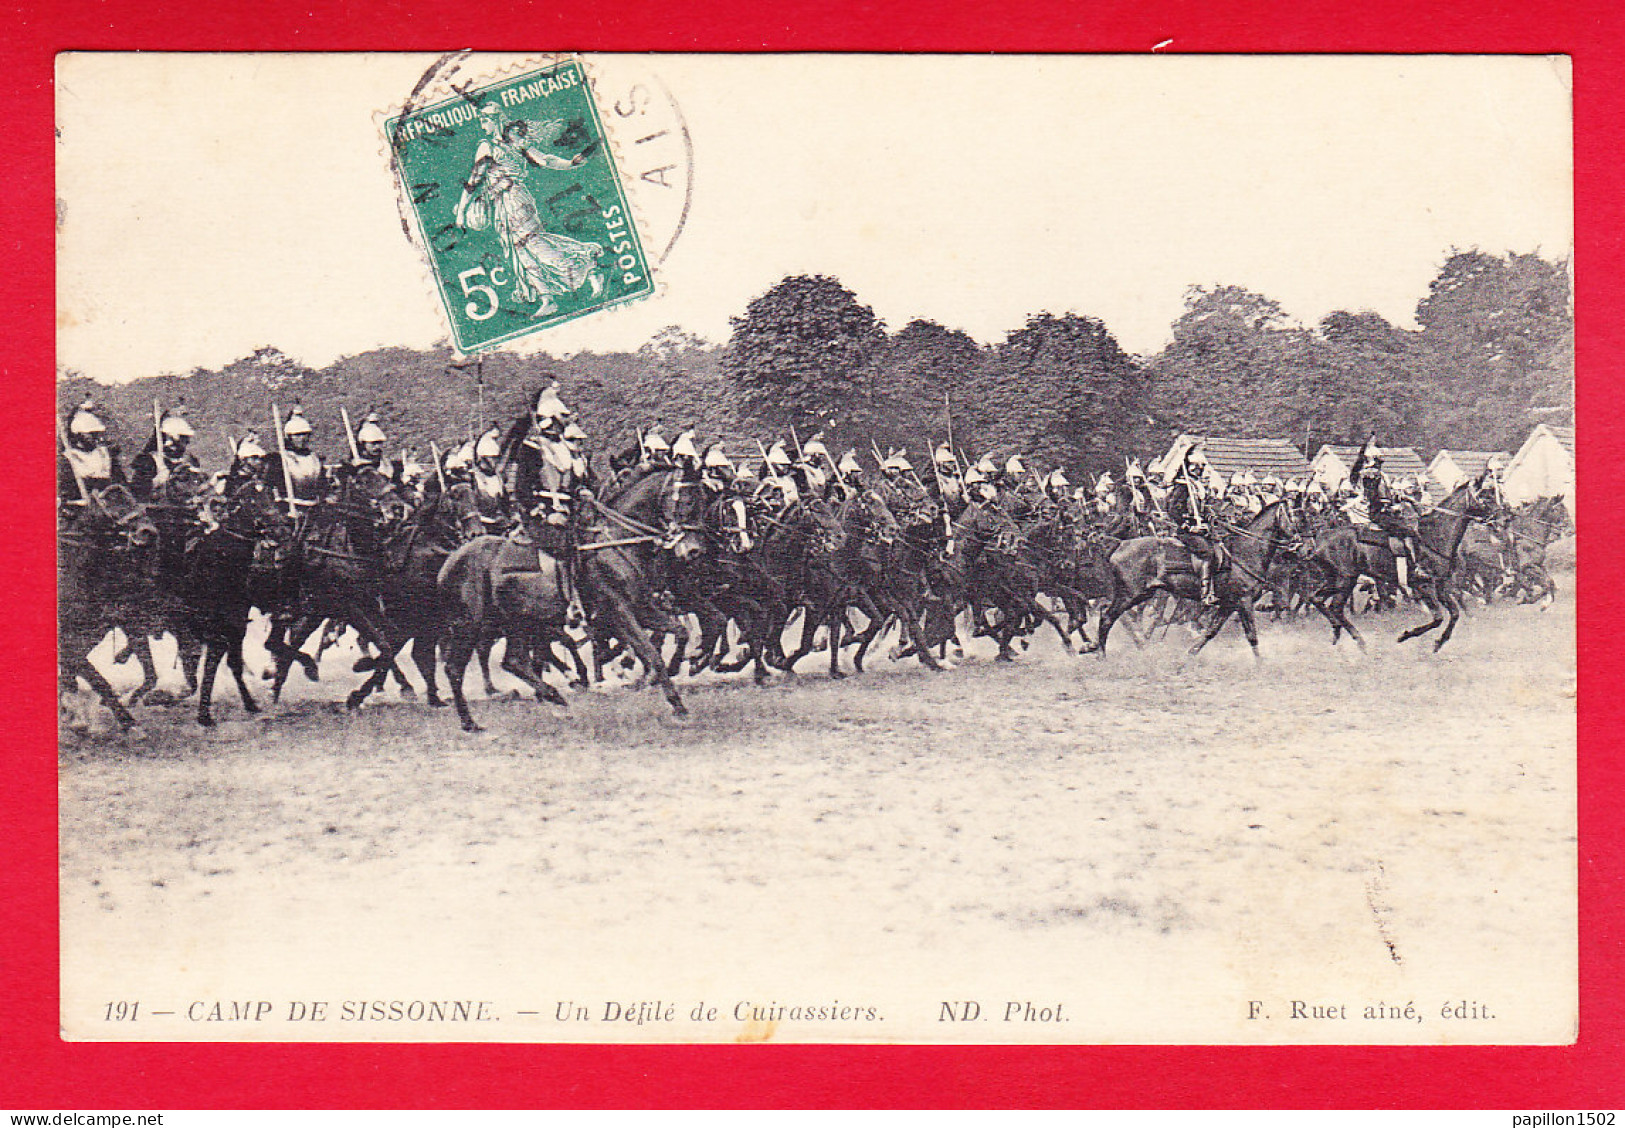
(439, 470)
(282, 457)
(349, 433)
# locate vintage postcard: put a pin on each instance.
(851, 548)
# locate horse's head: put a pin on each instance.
(457, 512)
(728, 520)
(125, 521)
(823, 524)
(685, 524)
(877, 518)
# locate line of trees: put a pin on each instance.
(1493, 355)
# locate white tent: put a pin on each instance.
(1543, 467)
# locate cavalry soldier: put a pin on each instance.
(779, 488)
(984, 525)
(459, 463)
(300, 467)
(716, 469)
(546, 476)
(1105, 494)
(490, 487)
(950, 490)
(904, 494)
(370, 440)
(1019, 493)
(1186, 501)
(1057, 502)
(165, 470)
(849, 476)
(246, 475)
(685, 456)
(87, 459)
(1386, 509)
(656, 454)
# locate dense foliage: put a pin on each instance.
(1491, 357)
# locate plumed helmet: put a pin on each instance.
(461, 458)
(684, 447)
(1294, 485)
(573, 433)
(1057, 479)
(1496, 462)
(1104, 483)
(85, 421)
(1013, 466)
(249, 446)
(489, 446)
(549, 406)
(777, 455)
(1196, 456)
(1135, 472)
(296, 423)
(975, 476)
(716, 458)
(175, 426)
(370, 431)
(655, 443)
(814, 448)
(986, 467)
(898, 462)
(745, 470)
(849, 463)
(944, 454)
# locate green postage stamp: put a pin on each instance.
(513, 190)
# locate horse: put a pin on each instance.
(1144, 566)
(494, 585)
(338, 574)
(249, 547)
(106, 556)
(1343, 555)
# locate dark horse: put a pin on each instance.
(1143, 566)
(1339, 558)
(496, 586)
(105, 557)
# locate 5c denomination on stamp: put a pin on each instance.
(514, 194)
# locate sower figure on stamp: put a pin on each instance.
(544, 265)
(1388, 510)
(1187, 502)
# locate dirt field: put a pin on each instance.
(1151, 842)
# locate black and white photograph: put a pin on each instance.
(959, 549)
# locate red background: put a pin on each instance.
(39, 1071)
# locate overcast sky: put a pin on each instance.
(210, 205)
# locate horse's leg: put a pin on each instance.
(809, 629)
(213, 651)
(430, 643)
(631, 632)
(285, 642)
(482, 650)
(149, 666)
(234, 661)
(837, 626)
(109, 696)
(878, 619)
(1452, 608)
(1434, 609)
(1221, 616)
(460, 646)
(372, 635)
(519, 662)
(1053, 620)
(1249, 628)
